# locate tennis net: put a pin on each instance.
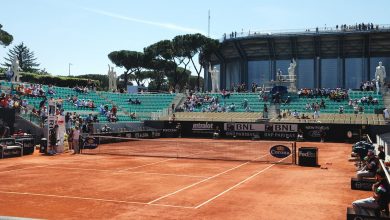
(262, 151)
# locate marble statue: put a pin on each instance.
(214, 73)
(380, 73)
(15, 69)
(291, 70)
(111, 78)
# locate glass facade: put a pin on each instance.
(232, 74)
(258, 72)
(329, 73)
(354, 68)
(283, 66)
(305, 73)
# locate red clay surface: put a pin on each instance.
(121, 187)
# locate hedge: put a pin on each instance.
(61, 81)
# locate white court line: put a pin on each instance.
(238, 184)
(92, 199)
(149, 164)
(25, 168)
(139, 172)
(199, 182)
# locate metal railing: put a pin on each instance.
(309, 31)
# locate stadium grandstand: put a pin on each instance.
(269, 99)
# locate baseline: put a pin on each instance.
(92, 199)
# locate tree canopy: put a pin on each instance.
(27, 59)
(167, 61)
(133, 62)
(5, 38)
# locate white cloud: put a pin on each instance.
(153, 23)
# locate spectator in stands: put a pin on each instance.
(341, 109)
(245, 103)
(95, 119)
(381, 154)
(380, 199)
(322, 104)
(355, 109)
(386, 113)
(114, 110)
(371, 165)
(232, 107)
(51, 90)
(316, 114)
(173, 107)
(137, 102)
(59, 103)
(52, 106)
(265, 111)
(295, 114)
(288, 100)
(133, 116)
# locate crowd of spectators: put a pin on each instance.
(32, 90)
(81, 103)
(368, 86)
(110, 114)
(337, 94)
(369, 167)
(209, 103)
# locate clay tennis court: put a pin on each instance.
(100, 186)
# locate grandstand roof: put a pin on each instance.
(305, 45)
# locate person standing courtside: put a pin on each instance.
(76, 137)
(70, 139)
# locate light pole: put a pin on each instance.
(69, 68)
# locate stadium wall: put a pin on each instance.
(268, 131)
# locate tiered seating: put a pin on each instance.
(238, 98)
(333, 106)
(336, 118)
(217, 116)
(64, 93)
(149, 102)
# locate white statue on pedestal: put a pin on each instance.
(214, 73)
(380, 73)
(111, 79)
(292, 75)
(15, 70)
(291, 70)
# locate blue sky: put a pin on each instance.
(83, 32)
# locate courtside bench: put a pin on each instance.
(9, 147)
(365, 184)
(351, 215)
